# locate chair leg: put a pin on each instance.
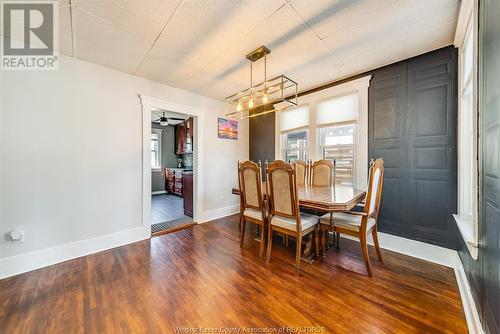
(241, 220)
(316, 239)
(298, 254)
(337, 240)
(375, 242)
(262, 240)
(269, 243)
(366, 256)
(242, 233)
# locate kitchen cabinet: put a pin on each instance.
(174, 180)
(187, 192)
(184, 137)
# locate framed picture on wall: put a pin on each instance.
(227, 128)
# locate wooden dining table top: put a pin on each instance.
(337, 198)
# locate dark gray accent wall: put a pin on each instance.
(484, 274)
(168, 156)
(261, 138)
(412, 119)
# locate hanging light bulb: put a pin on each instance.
(250, 103)
(238, 107)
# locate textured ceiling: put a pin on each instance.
(200, 45)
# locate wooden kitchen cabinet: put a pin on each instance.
(187, 180)
(183, 131)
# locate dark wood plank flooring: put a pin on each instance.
(200, 277)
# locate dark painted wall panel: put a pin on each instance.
(484, 274)
(261, 138)
(412, 125)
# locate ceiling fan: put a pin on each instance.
(163, 120)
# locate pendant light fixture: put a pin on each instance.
(271, 95)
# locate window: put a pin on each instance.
(156, 148)
(337, 119)
(294, 134)
(337, 144)
(294, 145)
(466, 217)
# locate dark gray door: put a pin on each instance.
(490, 161)
(412, 125)
(432, 123)
(388, 139)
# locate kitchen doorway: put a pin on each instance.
(171, 171)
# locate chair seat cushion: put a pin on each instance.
(253, 213)
(306, 222)
(347, 220)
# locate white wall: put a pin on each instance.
(71, 154)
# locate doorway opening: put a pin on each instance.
(172, 152)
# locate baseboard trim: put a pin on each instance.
(159, 192)
(26, 262)
(471, 314)
(218, 213)
(413, 248)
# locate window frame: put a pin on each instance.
(306, 148)
(354, 145)
(468, 179)
(158, 132)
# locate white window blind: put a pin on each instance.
(338, 109)
(294, 118)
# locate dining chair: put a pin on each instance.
(359, 224)
(284, 214)
(253, 208)
(302, 172)
(322, 173)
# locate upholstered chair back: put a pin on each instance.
(375, 182)
(250, 184)
(322, 173)
(301, 172)
(282, 189)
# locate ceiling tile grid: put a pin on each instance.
(200, 45)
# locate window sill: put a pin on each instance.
(465, 226)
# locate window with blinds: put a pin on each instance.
(337, 144)
(294, 145)
(336, 120)
(294, 134)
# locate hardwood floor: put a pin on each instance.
(200, 277)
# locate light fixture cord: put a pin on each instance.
(251, 81)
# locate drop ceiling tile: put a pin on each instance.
(202, 30)
(327, 17)
(293, 46)
(99, 42)
(65, 38)
(142, 19)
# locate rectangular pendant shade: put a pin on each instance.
(270, 96)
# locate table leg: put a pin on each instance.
(324, 237)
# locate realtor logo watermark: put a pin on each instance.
(30, 35)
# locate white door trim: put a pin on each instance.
(148, 104)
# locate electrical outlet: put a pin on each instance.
(17, 235)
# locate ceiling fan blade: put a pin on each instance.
(176, 119)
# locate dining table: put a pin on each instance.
(322, 199)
